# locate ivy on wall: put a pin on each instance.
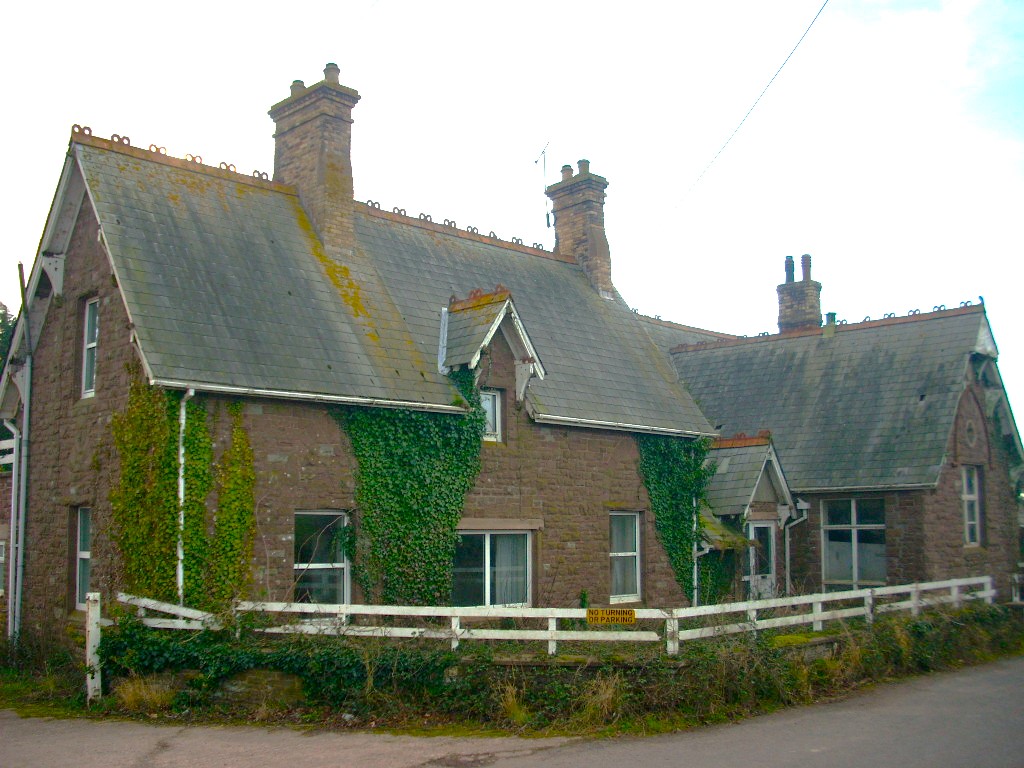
(145, 503)
(676, 474)
(414, 470)
(235, 525)
(198, 483)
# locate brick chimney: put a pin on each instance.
(578, 202)
(313, 152)
(799, 303)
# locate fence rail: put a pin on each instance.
(722, 619)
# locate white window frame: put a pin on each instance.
(82, 555)
(492, 435)
(974, 516)
(855, 528)
(299, 568)
(488, 537)
(89, 345)
(634, 553)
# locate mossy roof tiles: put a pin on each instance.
(868, 406)
(228, 287)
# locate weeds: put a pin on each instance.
(409, 683)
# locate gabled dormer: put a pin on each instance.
(469, 325)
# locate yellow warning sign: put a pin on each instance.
(611, 616)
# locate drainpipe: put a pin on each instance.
(696, 554)
(803, 506)
(180, 570)
(14, 606)
(12, 573)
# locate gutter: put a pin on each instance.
(569, 421)
(309, 397)
(866, 488)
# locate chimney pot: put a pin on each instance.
(566, 172)
(789, 269)
(331, 73)
(297, 87)
(805, 265)
(584, 167)
(830, 318)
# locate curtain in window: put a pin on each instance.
(508, 568)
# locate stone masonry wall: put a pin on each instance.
(974, 442)
(72, 461)
(571, 478)
(903, 538)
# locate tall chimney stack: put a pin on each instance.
(313, 153)
(578, 203)
(799, 302)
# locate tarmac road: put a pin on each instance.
(972, 718)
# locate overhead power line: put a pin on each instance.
(758, 99)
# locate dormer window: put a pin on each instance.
(490, 399)
(91, 330)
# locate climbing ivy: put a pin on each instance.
(198, 483)
(231, 546)
(145, 503)
(676, 474)
(414, 470)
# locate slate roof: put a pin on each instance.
(739, 470)
(855, 406)
(667, 335)
(229, 289)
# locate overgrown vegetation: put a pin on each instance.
(414, 470)
(389, 682)
(145, 504)
(676, 474)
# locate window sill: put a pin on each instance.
(619, 599)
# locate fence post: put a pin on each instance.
(869, 607)
(552, 643)
(455, 633)
(93, 676)
(816, 608)
(1014, 588)
(915, 599)
(990, 598)
(672, 635)
(954, 595)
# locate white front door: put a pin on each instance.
(760, 568)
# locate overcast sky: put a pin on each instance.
(890, 147)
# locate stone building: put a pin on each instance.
(283, 299)
(896, 434)
(291, 298)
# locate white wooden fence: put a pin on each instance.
(653, 624)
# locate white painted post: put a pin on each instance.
(954, 595)
(869, 607)
(552, 644)
(818, 624)
(672, 636)
(455, 633)
(93, 678)
(988, 588)
(915, 599)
